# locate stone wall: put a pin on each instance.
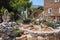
(51, 4)
(55, 8)
(48, 37)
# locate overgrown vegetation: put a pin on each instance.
(53, 24)
(17, 32)
(15, 7)
(12, 15)
(49, 24)
(41, 8)
(58, 22)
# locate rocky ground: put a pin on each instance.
(35, 32)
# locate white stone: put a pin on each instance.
(29, 37)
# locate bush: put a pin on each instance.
(17, 33)
(58, 22)
(2, 10)
(50, 24)
(12, 15)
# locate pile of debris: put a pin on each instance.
(40, 33)
(7, 31)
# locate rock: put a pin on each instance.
(40, 38)
(47, 29)
(29, 37)
(8, 32)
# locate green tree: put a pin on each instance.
(5, 4)
(15, 6)
(12, 15)
(41, 8)
(20, 4)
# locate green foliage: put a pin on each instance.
(2, 9)
(26, 14)
(53, 25)
(12, 15)
(15, 6)
(41, 8)
(17, 33)
(5, 4)
(50, 24)
(20, 4)
(58, 22)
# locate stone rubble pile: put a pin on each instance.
(7, 31)
(39, 33)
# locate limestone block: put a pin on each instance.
(29, 37)
(40, 38)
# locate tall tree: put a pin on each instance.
(41, 8)
(5, 4)
(20, 5)
(15, 5)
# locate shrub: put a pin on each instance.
(12, 15)
(17, 33)
(50, 24)
(2, 9)
(58, 22)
